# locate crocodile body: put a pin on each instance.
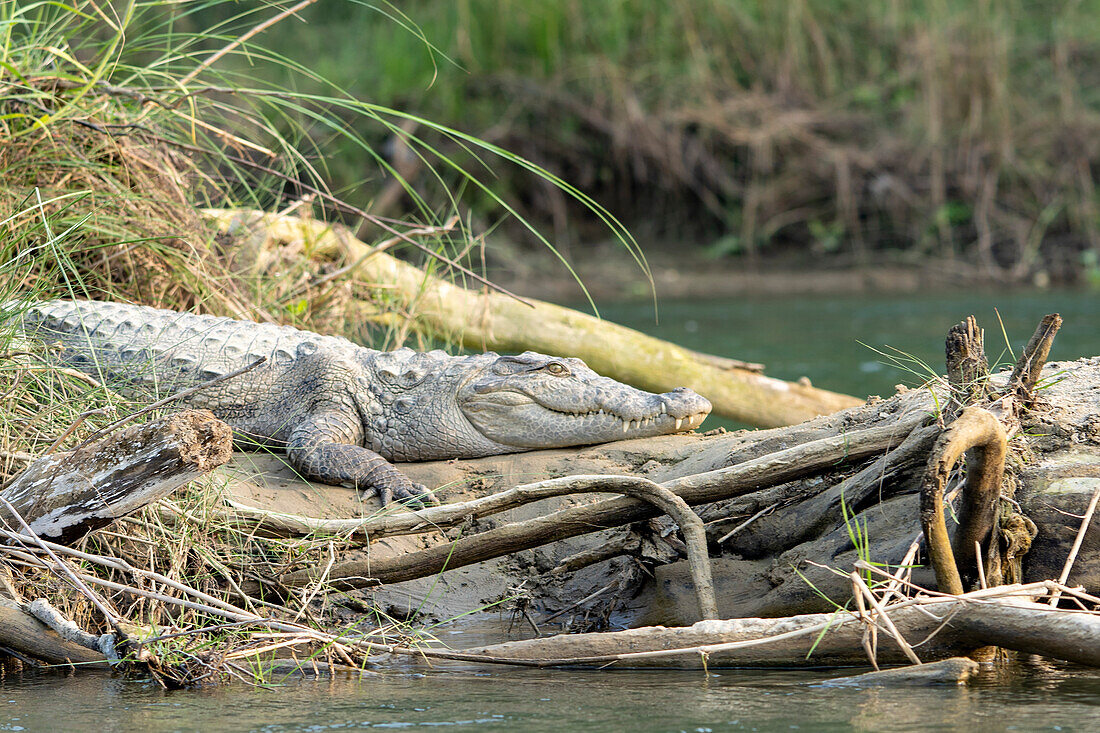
(342, 412)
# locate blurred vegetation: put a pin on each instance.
(836, 129)
(119, 121)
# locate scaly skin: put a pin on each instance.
(342, 412)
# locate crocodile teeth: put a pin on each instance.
(626, 426)
(664, 408)
(678, 421)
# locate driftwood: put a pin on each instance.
(64, 496)
(23, 633)
(945, 626)
(661, 498)
(699, 488)
(495, 321)
(978, 431)
(983, 436)
(950, 671)
(1029, 367)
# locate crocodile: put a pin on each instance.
(342, 412)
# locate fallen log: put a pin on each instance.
(494, 321)
(950, 671)
(945, 626)
(834, 447)
(25, 634)
(64, 496)
(659, 497)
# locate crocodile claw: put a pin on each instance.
(420, 496)
(407, 494)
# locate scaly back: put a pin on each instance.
(153, 347)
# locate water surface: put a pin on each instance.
(1034, 696)
(864, 345)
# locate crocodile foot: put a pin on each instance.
(408, 493)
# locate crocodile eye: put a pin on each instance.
(556, 368)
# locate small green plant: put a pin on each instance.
(728, 245)
(827, 237)
(857, 535)
(909, 363)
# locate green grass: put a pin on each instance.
(118, 123)
(114, 128)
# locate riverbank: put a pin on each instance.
(608, 273)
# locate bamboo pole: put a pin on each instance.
(498, 322)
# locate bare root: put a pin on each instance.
(975, 429)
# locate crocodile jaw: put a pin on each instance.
(532, 409)
(533, 426)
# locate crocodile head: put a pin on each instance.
(533, 401)
(435, 406)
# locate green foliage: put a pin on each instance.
(1090, 260)
(827, 237)
(887, 123)
(858, 536)
(125, 119)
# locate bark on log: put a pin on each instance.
(951, 626)
(818, 514)
(695, 489)
(23, 633)
(66, 495)
(493, 321)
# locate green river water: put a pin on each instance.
(843, 343)
(815, 337)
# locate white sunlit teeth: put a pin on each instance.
(662, 416)
(691, 421)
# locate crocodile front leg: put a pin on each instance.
(322, 448)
